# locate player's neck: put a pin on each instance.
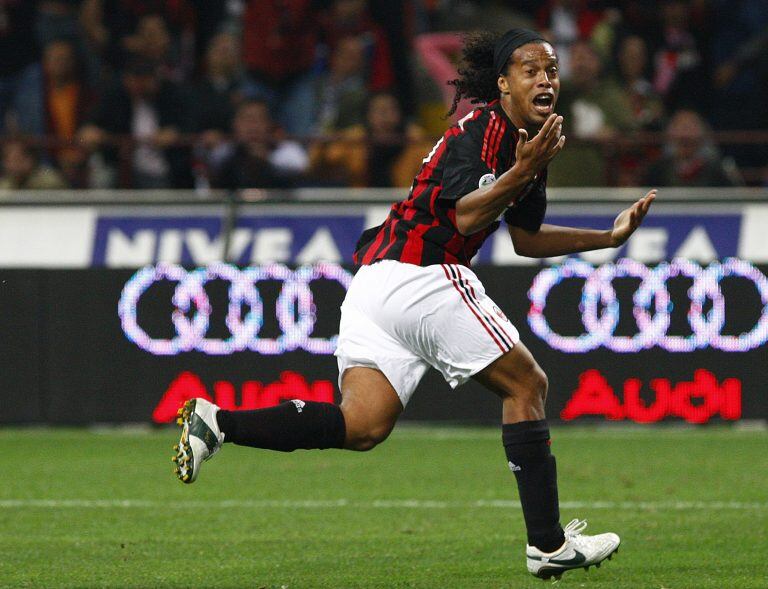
(506, 106)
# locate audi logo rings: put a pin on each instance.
(652, 306)
(295, 309)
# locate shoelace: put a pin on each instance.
(573, 534)
(575, 527)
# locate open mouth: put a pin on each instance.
(543, 103)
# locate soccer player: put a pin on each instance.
(415, 303)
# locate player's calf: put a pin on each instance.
(286, 427)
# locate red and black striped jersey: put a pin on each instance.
(422, 229)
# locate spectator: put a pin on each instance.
(595, 111)
(647, 107)
(691, 158)
(279, 39)
(342, 93)
(632, 62)
(20, 73)
(678, 75)
(151, 111)
(221, 89)
(22, 169)
(80, 22)
(351, 17)
(66, 100)
(153, 42)
(383, 152)
(259, 158)
(130, 23)
(565, 22)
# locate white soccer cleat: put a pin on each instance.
(200, 439)
(578, 551)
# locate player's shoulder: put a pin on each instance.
(475, 122)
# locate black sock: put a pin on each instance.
(287, 427)
(527, 448)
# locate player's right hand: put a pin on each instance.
(535, 155)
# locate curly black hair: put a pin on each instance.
(477, 77)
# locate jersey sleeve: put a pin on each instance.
(464, 166)
(529, 210)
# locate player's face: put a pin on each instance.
(531, 85)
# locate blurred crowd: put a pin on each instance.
(292, 93)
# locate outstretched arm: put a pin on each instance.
(552, 240)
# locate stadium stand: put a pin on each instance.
(629, 68)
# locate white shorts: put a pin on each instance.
(401, 319)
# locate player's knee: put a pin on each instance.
(367, 438)
(536, 386)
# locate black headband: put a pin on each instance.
(510, 41)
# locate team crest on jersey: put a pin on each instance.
(500, 313)
(486, 179)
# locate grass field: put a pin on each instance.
(431, 508)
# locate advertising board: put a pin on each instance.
(135, 236)
(622, 341)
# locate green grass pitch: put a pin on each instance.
(430, 508)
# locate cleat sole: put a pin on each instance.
(546, 574)
(184, 451)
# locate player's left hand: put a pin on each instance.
(630, 219)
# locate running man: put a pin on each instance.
(415, 302)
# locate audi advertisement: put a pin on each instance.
(621, 341)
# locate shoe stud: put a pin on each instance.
(185, 478)
(176, 448)
(175, 459)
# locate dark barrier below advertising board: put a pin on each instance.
(620, 342)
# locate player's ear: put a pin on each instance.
(502, 84)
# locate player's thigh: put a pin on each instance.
(515, 374)
(370, 406)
